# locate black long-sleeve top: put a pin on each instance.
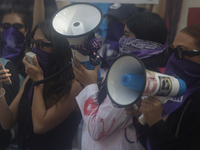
(162, 135)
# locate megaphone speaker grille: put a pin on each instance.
(125, 64)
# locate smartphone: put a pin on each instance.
(30, 56)
(1, 68)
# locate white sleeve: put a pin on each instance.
(101, 120)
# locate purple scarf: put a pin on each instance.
(13, 44)
(140, 48)
(90, 48)
(44, 59)
(189, 72)
(110, 50)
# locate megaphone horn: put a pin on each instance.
(76, 22)
(128, 80)
(121, 95)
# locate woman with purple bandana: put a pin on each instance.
(13, 28)
(145, 35)
(175, 125)
(46, 113)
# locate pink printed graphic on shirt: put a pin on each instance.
(89, 107)
(103, 132)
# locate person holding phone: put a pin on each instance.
(13, 30)
(11, 90)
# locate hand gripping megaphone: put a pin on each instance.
(76, 22)
(128, 80)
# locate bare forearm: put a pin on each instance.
(160, 8)
(6, 116)
(61, 4)
(39, 110)
(38, 12)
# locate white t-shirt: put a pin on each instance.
(105, 127)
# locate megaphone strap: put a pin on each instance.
(127, 137)
(50, 77)
(138, 129)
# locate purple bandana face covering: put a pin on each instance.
(189, 72)
(140, 48)
(43, 58)
(13, 44)
(111, 47)
(115, 30)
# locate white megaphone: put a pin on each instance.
(128, 80)
(76, 22)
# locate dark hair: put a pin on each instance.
(61, 56)
(21, 14)
(148, 26)
(194, 32)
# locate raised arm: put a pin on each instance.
(38, 12)
(46, 119)
(160, 8)
(61, 4)
(9, 114)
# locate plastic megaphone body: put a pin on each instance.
(128, 80)
(76, 22)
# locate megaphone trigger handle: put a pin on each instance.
(163, 100)
(142, 120)
(135, 106)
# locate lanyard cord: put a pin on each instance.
(127, 137)
(137, 134)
